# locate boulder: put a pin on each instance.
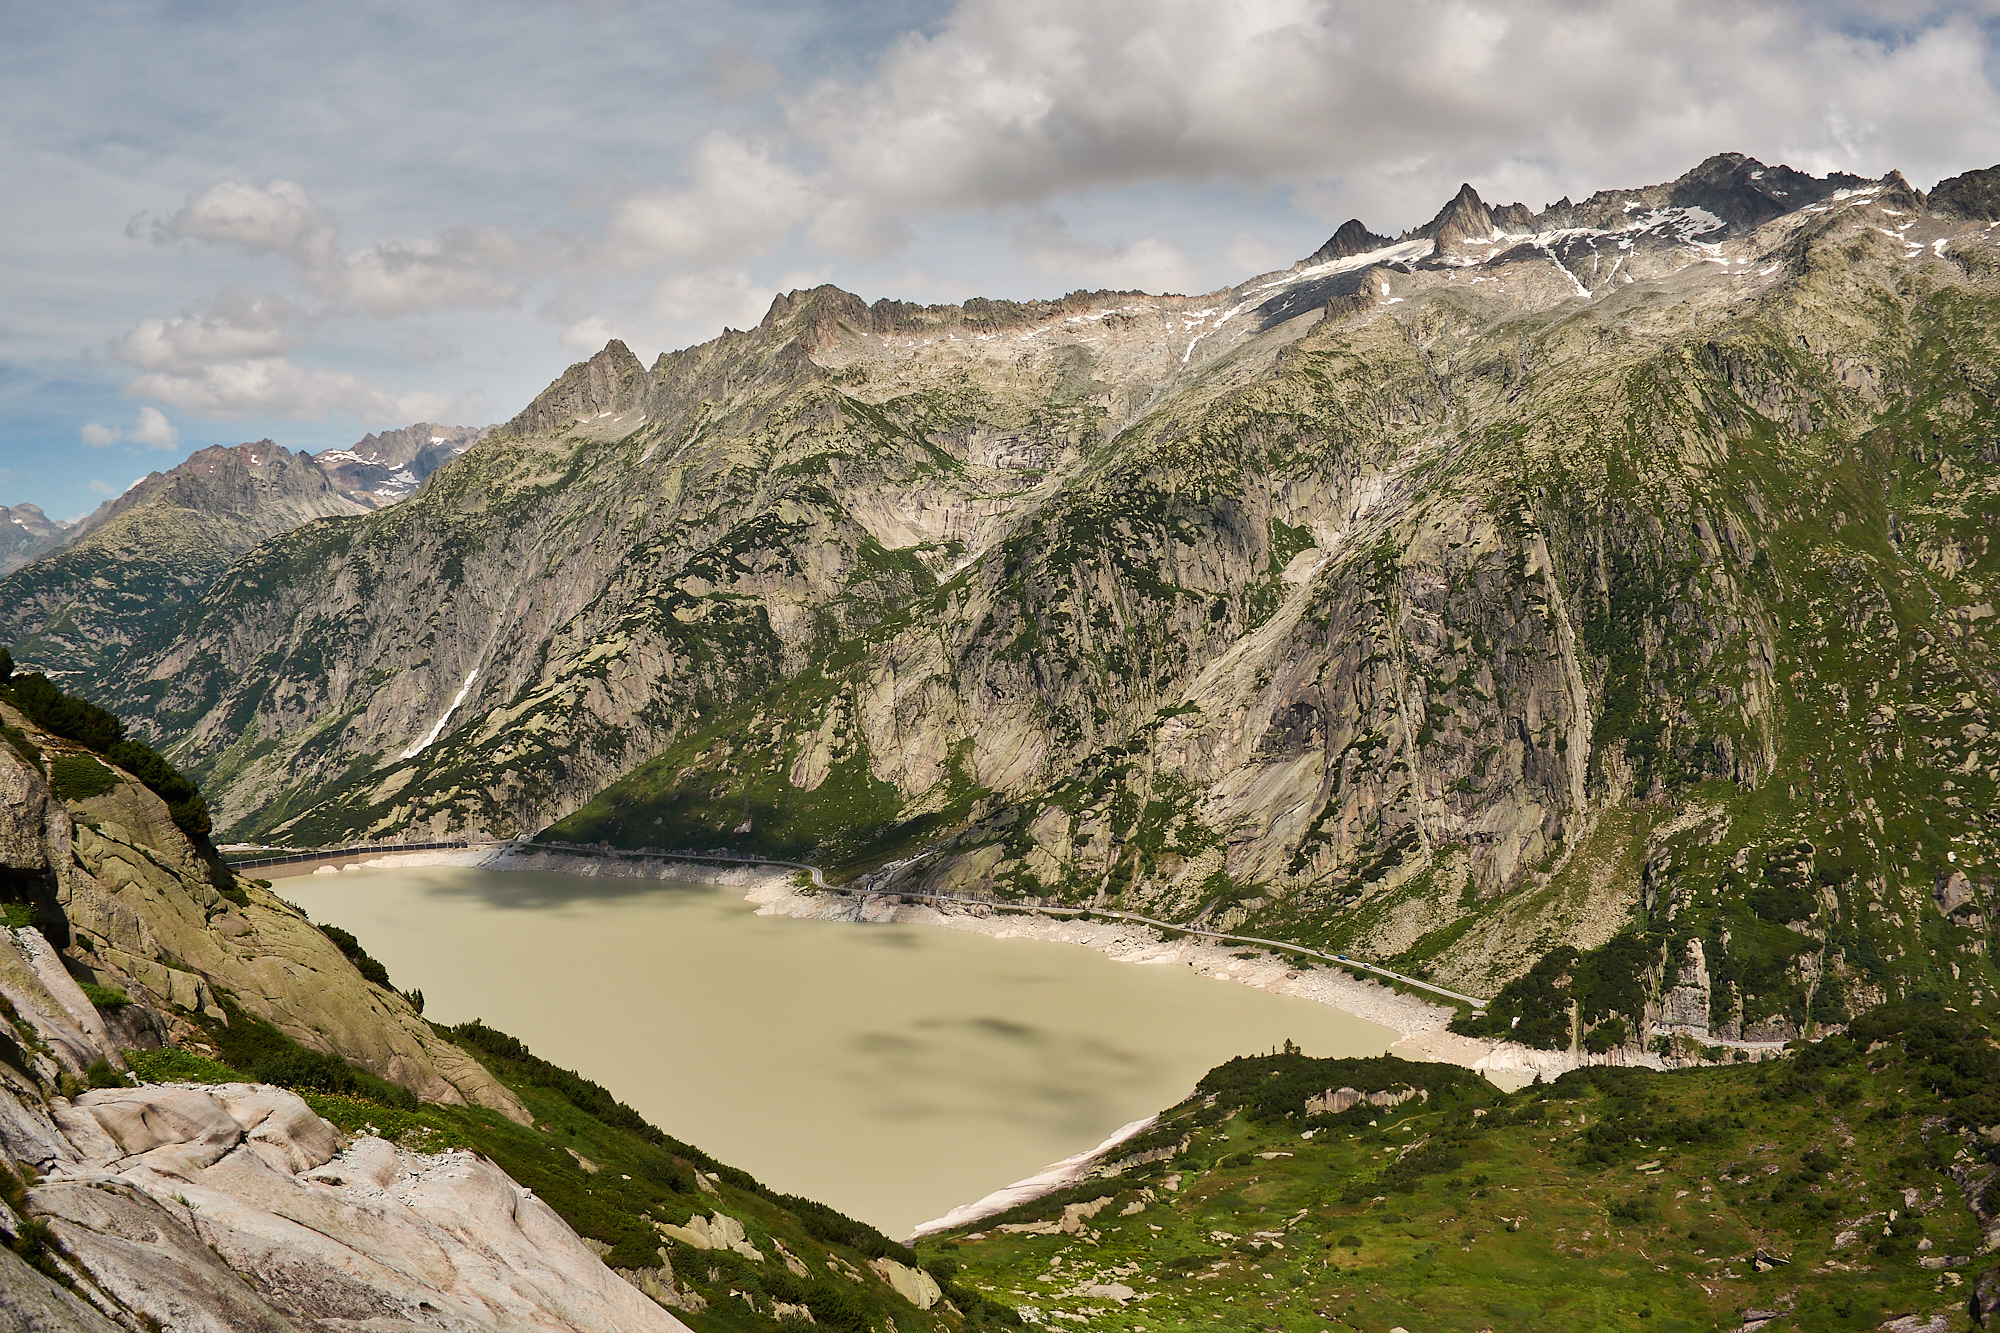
(912, 1284)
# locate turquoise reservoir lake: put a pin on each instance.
(891, 1071)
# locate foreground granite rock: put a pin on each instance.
(235, 1207)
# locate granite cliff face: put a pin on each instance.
(1616, 572)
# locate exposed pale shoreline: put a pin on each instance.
(1421, 1026)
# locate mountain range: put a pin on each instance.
(1589, 607)
(103, 584)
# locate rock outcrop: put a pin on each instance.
(234, 1207)
(231, 1207)
(138, 911)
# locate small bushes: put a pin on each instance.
(1634, 1211)
(100, 1074)
(173, 1065)
(108, 999)
(370, 969)
(72, 719)
(78, 777)
(36, 1244)
(267, 1055)
(1606, 1036)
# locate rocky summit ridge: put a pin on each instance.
(1604, 590)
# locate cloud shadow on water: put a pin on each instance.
(541, 891)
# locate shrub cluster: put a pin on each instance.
(1272, 1087)
(101, 730)
(250, 1045)
(363, 962)
(78, 777)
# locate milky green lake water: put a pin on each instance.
(891, 1071)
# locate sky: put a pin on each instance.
(302, 222)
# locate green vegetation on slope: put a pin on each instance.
(1838, 1188)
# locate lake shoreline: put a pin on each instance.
(1423, 1034)
(1420, 1028)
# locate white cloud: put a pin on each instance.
(1247, 254)
(738, 199)
(152, 430)
(734, 75)
(461, 267)
(278, 218)
(464, 266)
(273, 386)
(709, 299)
(234, 327)
(102, 487)
(588, 334)
(1384, 108)
(1149, 264)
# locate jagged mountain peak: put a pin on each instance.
(608, 384)
(1352, 239)
(1464, 216)
(382, 469)
(1972, 197)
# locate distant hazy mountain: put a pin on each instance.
(26, 532)
(382, 469)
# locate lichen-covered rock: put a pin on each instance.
(141, 912)
(234, 1207)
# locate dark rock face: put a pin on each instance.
(1745, 193)
(1352, 239)
(1975, 196)
(1465, 217)
(610, 383)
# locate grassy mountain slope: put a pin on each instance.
(1846, 1186)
